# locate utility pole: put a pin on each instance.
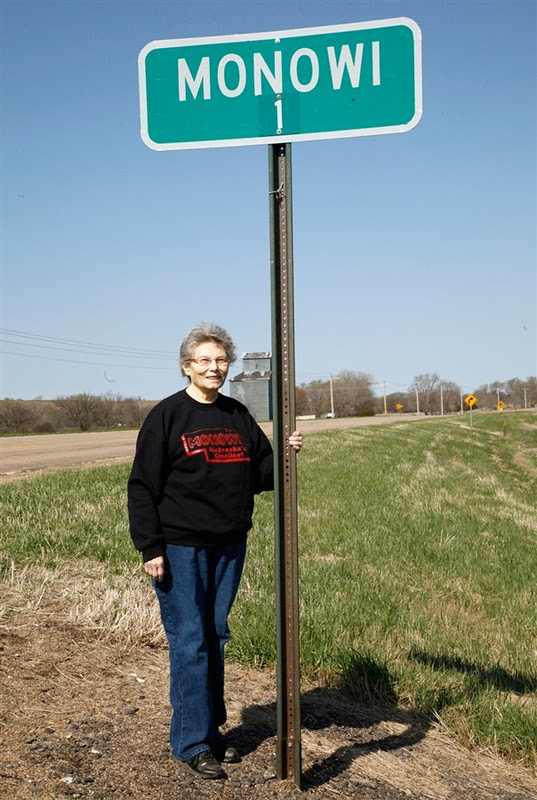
(417, 402)
(332, 397)
(441, 400)
(385, 403)
(524, 389)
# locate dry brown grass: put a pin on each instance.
(72, 646)
(90, 596)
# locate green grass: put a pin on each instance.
(70, 514)
(417, 565)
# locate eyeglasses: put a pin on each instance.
(205, 363)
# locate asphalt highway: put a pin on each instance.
(23, 455)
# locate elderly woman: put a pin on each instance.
(200, 459)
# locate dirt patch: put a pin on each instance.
(85, 715)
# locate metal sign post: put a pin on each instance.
(288, 752)
(471, 400)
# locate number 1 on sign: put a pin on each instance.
(279, 115)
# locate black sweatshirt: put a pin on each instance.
(196, 470)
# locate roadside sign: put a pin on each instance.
(501, 405)
(470, 400)
(278, 88)
(331, 82)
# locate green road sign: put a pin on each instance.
(314, 83)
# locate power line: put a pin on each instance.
(74, 350)
(113, 351)
(77, 343)
(89, 363)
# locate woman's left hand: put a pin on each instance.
(295, 440)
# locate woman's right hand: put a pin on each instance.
(155, 568)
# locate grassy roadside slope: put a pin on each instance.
(417, 566)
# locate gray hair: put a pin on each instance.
(206, 332)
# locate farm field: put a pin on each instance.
(418, 625)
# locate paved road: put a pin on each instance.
(20, 455)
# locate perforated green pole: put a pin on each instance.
(288, 750)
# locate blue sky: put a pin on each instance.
(413, 252)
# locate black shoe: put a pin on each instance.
(227, 755)
(205, 766)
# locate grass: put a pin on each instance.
(417, 566)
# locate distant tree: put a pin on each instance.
(395, 399)
(353, 394)
(526, 393)
(111, 413)
(499, 390)
(521, 394)
(451, 393)
(83, 411)
(133, 412)
(378, 405)
(483, 396)
(317, 397)
(433, 393)
(428, 388)
(488, 395)
(17, 416)
(301, 401)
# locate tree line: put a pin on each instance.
(351, 394)
(347, 394)
(79, 412)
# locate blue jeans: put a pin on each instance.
(195, 597)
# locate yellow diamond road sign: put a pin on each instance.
(470, 400)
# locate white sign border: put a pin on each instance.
(160, 44)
